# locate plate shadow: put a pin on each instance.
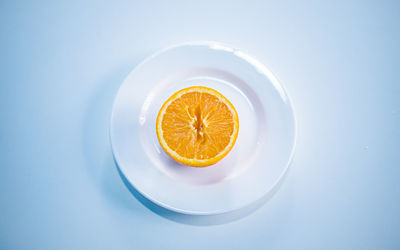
(200, 220)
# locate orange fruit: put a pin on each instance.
(197, 126)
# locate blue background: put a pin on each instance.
(61, 64)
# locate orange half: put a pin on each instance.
(197, 126)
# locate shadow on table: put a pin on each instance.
(200, 220)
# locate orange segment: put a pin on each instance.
(197, 126)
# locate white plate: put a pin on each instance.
(257, 162)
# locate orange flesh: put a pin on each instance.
(199, 125)
(192, 129)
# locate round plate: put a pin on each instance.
(257, 162)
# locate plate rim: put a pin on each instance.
(252, 61)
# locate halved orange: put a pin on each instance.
(197, 126)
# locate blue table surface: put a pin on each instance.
(63, 61)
